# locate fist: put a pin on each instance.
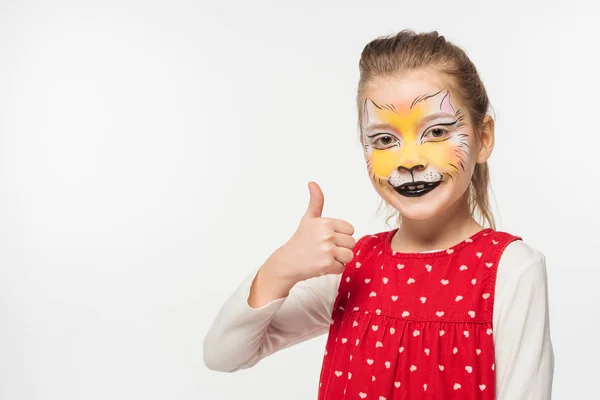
(319, 246)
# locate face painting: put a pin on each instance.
(416, 146)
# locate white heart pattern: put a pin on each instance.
(489, 265)
(378, 344)
(413, 368)
(457, 386)
(469, 369)
(388, 364)
(385, 280)
(471, 314)
(485, 296)
(392, 331)
(479, 254)
(344, 340)
(373, 294)
(355, 324)
(478, 351)
(394, 298)
(416, 333)
(349, 375)
(378, 312)
(442, 332)
(362, 395)
(375, 327)
(489, 331)
(439, 314)
(397, 384)
(410, 281)
(338, 373)
(454, 350)
(463, 268)
(441, 367)
(405, 314)
(400, 266)
(450, 251)
(348, 279)
(473, 281)
(482, 387)
(401, 349)
(458, 298)
(369, 361)
(445, 281)
(423, 299)
(428, 268)
(426, 351)
(466, 333)
(424, 387)
(357, 265)
(367, 280)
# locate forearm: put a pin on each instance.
(268, 286)
(241, 335)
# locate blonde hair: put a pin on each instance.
(408, 51)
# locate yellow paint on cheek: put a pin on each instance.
(383, 162)
(441, 154)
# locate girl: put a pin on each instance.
(440, 307)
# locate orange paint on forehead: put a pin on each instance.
(406, 120)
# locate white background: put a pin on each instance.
(153, 153)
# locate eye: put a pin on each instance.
(436, 135)
(384, 141)
(437, 132)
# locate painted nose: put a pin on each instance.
(411, 170)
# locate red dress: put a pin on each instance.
(414, 325)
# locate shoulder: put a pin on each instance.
(376, 237)
(520, 261)
(372, 239)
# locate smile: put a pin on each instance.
(416, 189)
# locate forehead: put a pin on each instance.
(409, 91)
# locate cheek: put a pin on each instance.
(441, 155)
(383, 162)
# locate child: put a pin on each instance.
(438, 308)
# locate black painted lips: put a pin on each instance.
(416, 189)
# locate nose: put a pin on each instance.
(411, 170)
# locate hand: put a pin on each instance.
(319, 246)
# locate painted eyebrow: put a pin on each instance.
(427, 119)
(379, 127)
(436, 116)
(423, 98)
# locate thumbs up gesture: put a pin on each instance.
(319, 246)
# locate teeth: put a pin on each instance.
(421, 187)
(430, 184)
(411, 187)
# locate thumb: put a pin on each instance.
(315, 205)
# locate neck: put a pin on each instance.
(437, 233)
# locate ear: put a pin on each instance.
(369, 113)
(486, 139)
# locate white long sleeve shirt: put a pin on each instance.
(241, 336)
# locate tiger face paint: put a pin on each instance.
(419, 143)
(415, 147)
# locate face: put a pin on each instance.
(419, 144)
